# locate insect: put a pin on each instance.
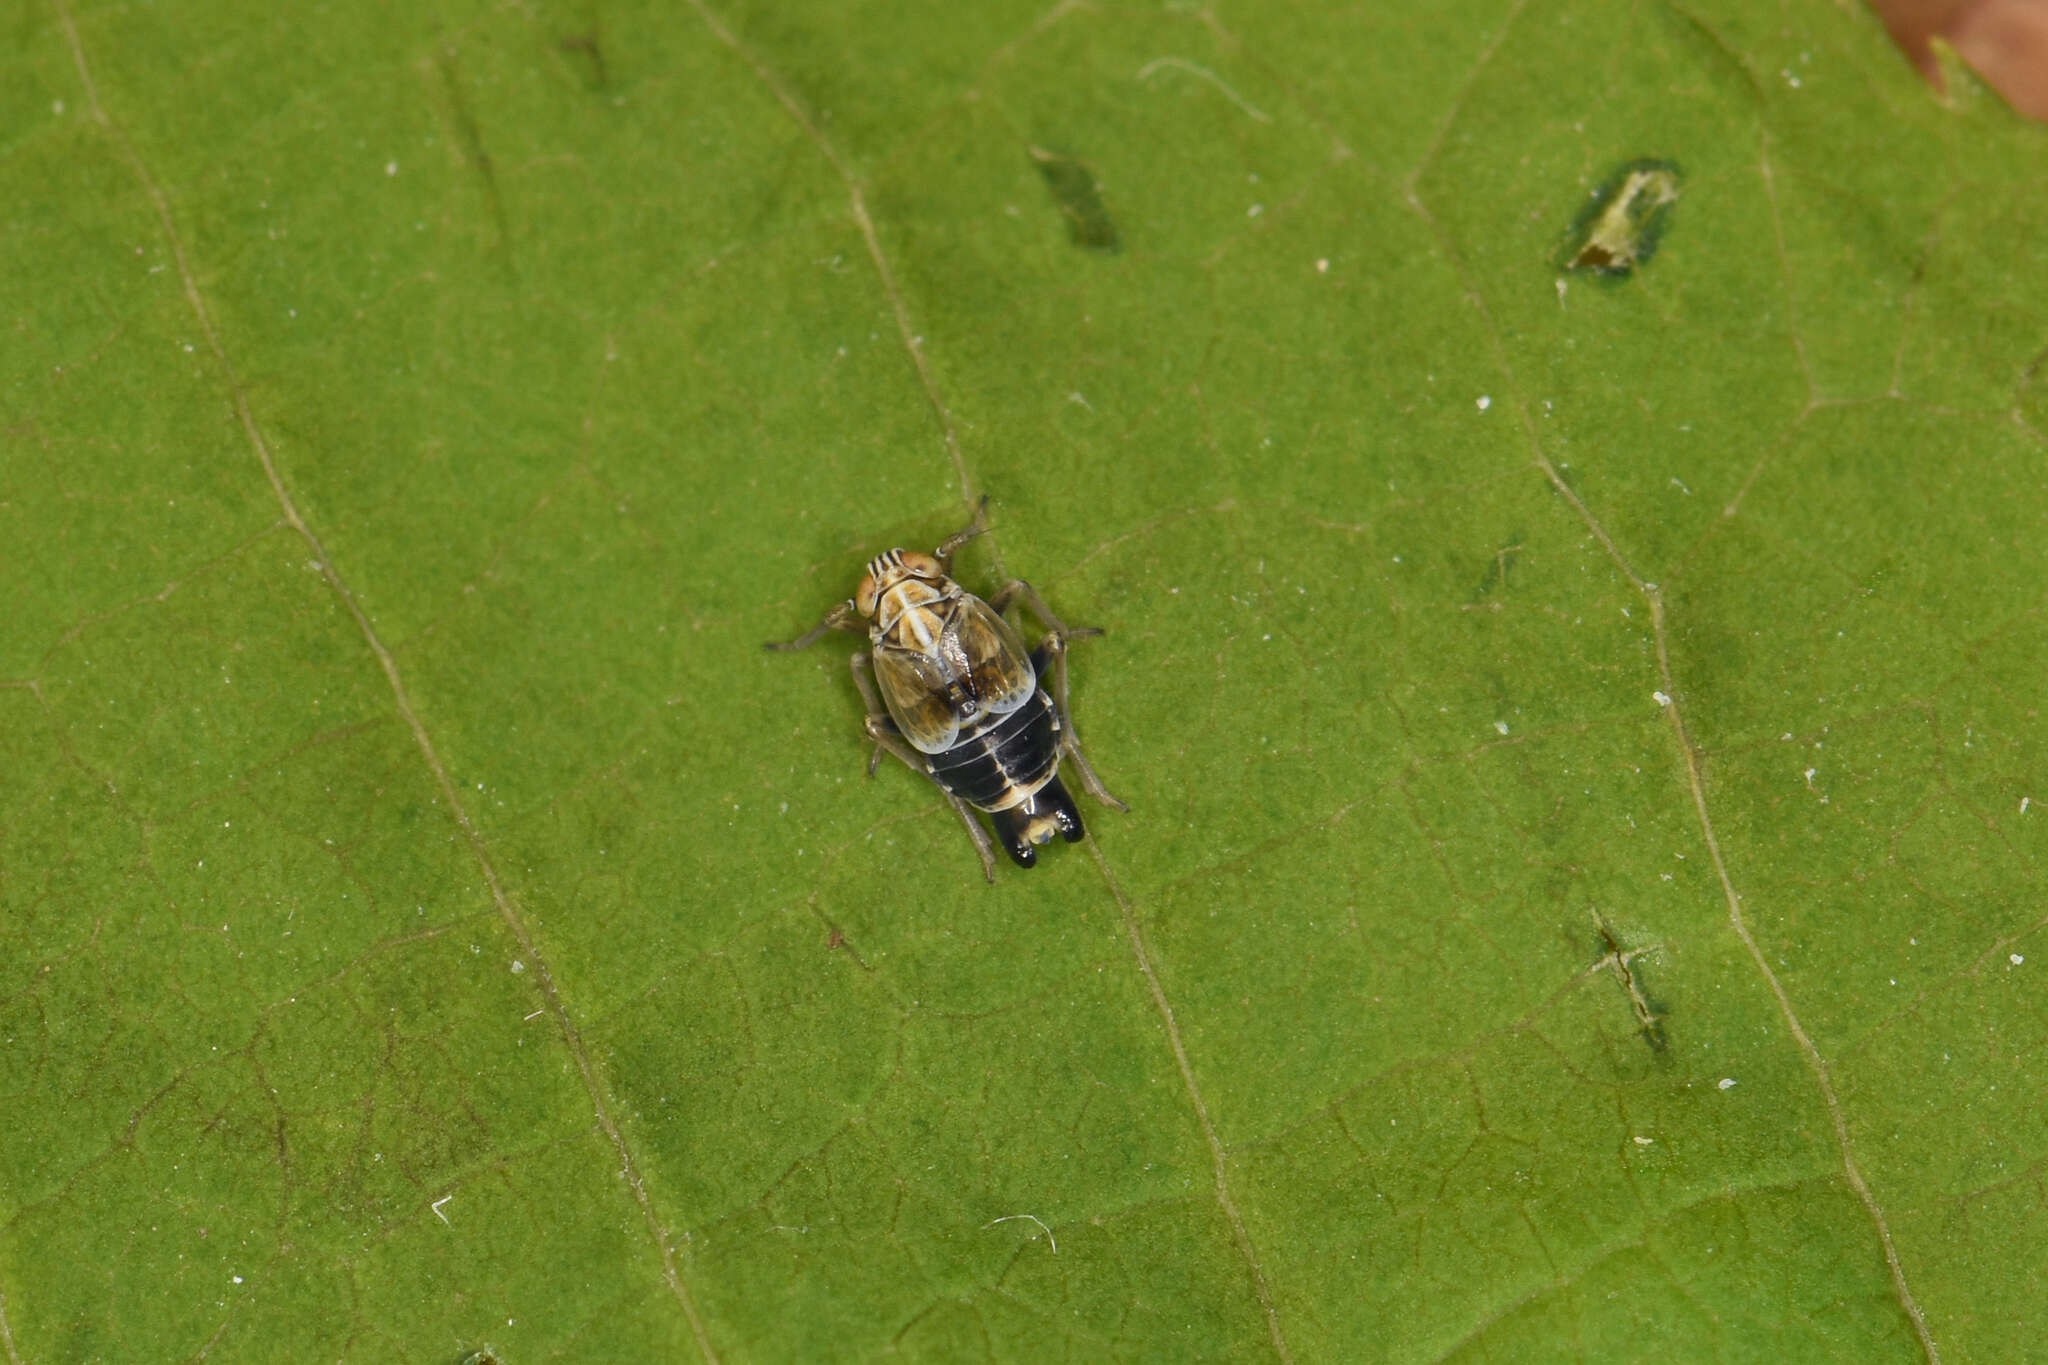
(962, 701)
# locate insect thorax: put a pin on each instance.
(911, 614)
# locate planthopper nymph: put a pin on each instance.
(961, 699)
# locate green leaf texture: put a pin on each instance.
(1583, 890)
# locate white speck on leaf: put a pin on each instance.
(1501, 726)
(1484, 401)
(1660, 699)
(1725, 1083)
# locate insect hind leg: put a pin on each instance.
(882, 730)
(1018, 590)
(1051, 657)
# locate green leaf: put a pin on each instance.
(1582, 893)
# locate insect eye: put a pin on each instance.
(864, 596)
(921, 565)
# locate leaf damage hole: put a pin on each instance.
(1621, 961)
(1624, 218)
(1079, 198)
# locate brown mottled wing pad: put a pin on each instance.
(916, 689)
(999, 674)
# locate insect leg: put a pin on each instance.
(948, 546)
(882, 730)
(1017, 589)
(1051, 656)
(881, 726)
(976, 833)
(841, 617)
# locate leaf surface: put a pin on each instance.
(1582, 896)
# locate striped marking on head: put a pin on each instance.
(889, 568)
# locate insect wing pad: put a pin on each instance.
(999, 672)
(915, 689)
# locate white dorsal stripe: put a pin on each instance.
(916, 607)
(920, 626)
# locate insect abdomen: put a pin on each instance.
(1002, 761)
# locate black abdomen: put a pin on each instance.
(1004, 758)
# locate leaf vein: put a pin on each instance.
(913, 344)
(508, 910)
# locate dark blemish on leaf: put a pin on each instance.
(2031, 401)
(1623, 219)
(487, 1356)
(587, 46)
(1079, 199)
(1718, 57)
(1497, 569)
(1651, 1020)
(471, 139)
(1623, 963)
(836, 941)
